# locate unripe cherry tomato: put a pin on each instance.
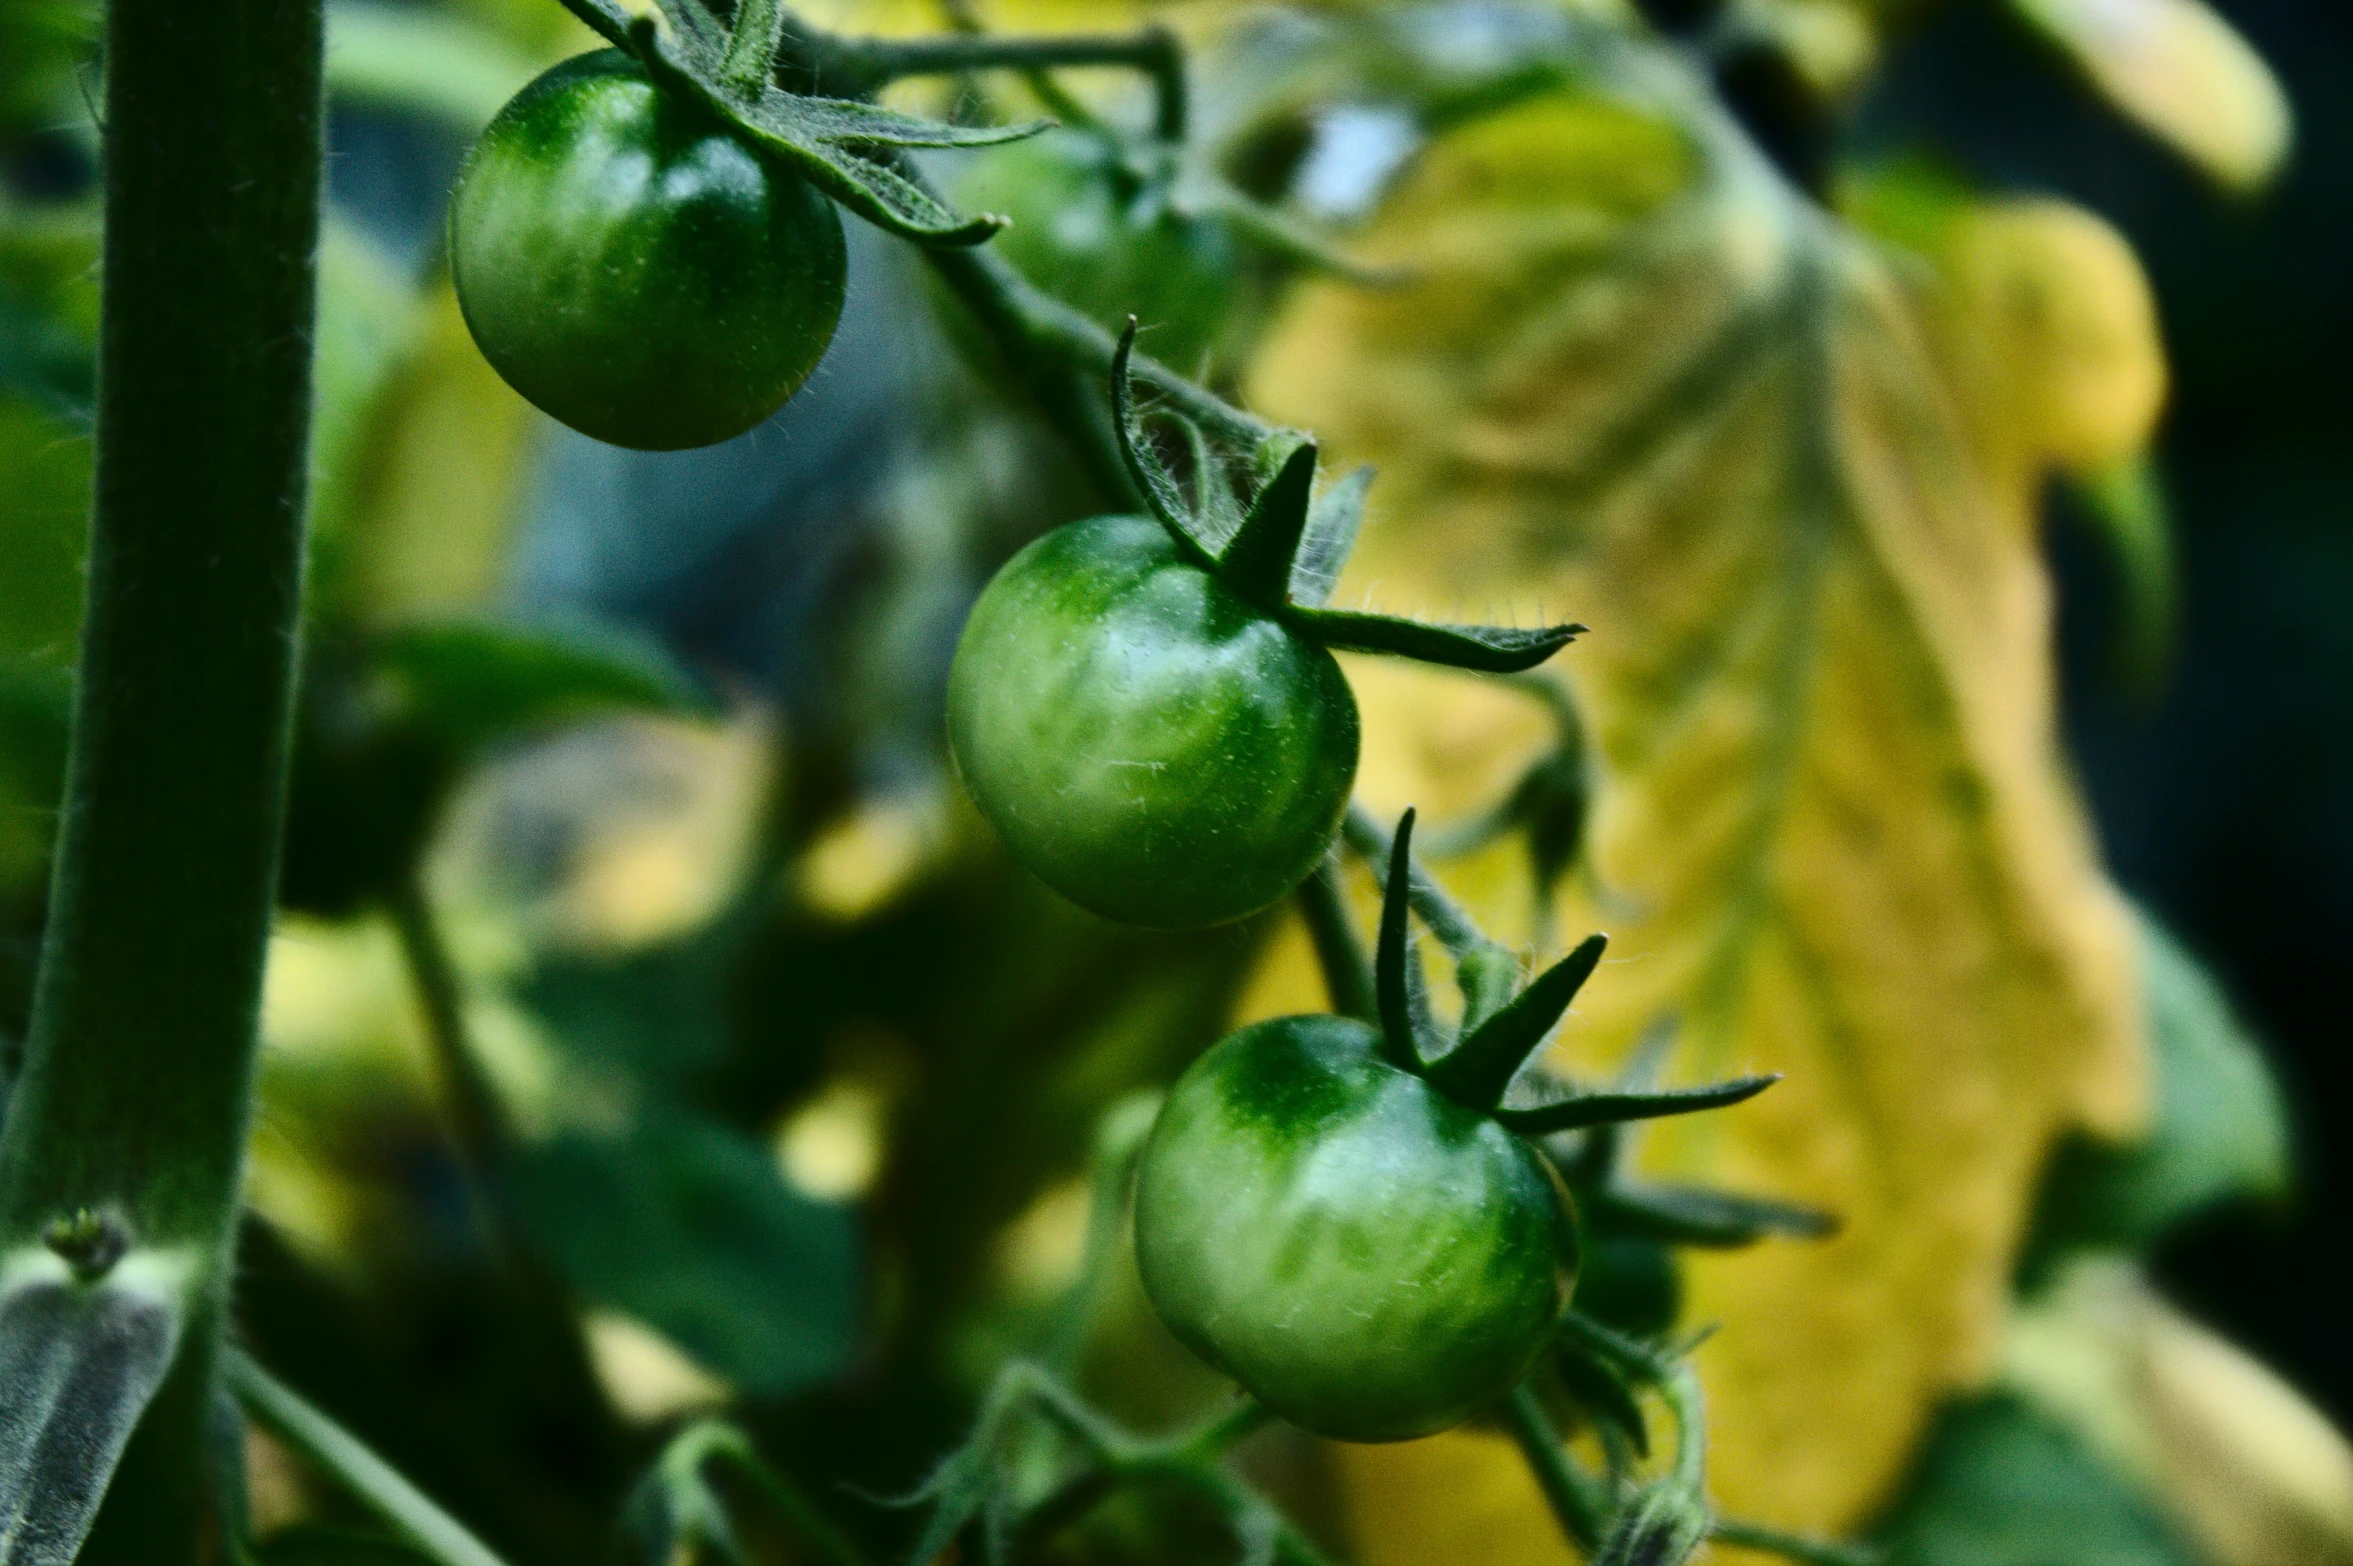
(1095, 235)
(1369, 1258)
(1148, 743)
(633, 268)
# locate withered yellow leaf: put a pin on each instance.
(1639, 381)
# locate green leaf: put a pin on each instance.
(650, 1016)
(474, 680)
(2220, 1128)
(79, 1362)
(689, 1227)
(2000, 1484)
(1486, 649)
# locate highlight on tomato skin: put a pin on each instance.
(1370, 1259)
(1146, 742)
(632, 268)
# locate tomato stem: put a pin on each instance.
(1796, 1547)
(713, 1442)
(1447, 919)
(864, 64)
(1348, 977)
(1577, 1499)
(135, 1096)
(751, 47)
(374, 1483)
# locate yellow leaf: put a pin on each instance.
(1833, 837)
(2047, 323)
(2184, 74)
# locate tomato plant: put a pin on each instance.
(746, 1113)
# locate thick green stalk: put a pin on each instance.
(135, 1095)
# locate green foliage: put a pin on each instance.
(1998, 1484)
(2219, 1130)
(689, 1227)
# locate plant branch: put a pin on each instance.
(713, 1442)
(480, 1137)
(860, 66)
(1577, 1499)
(1796, 1547)
(477, 1122)
(1348, 976)
(1447, 919)
(370, 1480)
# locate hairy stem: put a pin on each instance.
(1790, 1546)
(1348, 975)
(1575, 1496)
(370, 1480)
(1456, 930)
(751, 46)
(136, 1087)
(1152, 50)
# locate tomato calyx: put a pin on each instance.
(1505, 1026)
(1284, 551)
(844, 147)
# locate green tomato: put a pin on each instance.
(1089, 231)
(635, 270)
(1369, 1258)
(1148, 743)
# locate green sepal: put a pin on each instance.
(1691, 1215)
(1408, 1033)
(1257, 561)
(1484, 649)
(1478, 1070)
(1601, 1391)
(1159, 488)
(1598, 1109)
(821, 137)
(1332, 524)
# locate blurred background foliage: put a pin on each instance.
(1937, 410)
